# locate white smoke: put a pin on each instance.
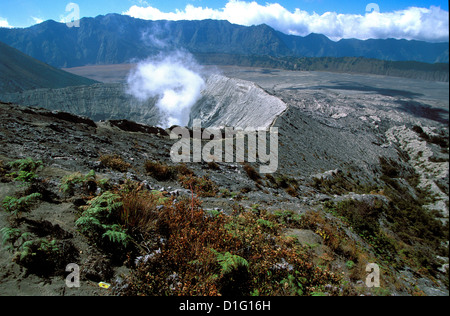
(174, 79)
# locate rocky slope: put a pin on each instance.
(99, 102)
(332, 127)
(66, 144)
(363, 171)
(224, 102)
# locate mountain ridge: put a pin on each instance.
(114, 39)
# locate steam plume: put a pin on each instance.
(174, 79)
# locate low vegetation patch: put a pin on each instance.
(27, 164)
(43, 256)
(201, 186)
(17, 206)
(4, 169)
(341, 183)
(77, 182)
(240, 254)
(252, 173)
(160, 171)
(24, 170)
(401, 233)
(36, 245)
(115, 162)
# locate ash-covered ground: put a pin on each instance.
(341, 137)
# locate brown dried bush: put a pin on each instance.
(160, 171)
(115, 162)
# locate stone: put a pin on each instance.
(305, 237)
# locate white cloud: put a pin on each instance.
(37, 20)
(4, 23)
(429, 24)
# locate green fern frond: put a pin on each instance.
(49, 246)
(117, 237)
(10, 234)
(27, 164)
(23, 176)
(87, 223)
(69, 182)
(31, 198)
(108, 200)
(229, 262)
(10, 203)
(25, 249)
(17, 205)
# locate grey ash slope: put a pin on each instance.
(317, 133)
(224, 102)
(19, 72)
(98, 101)
(331, 139)
(327, 121)
(237, 103)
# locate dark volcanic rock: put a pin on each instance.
(130, 126)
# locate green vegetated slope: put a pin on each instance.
(19, 72)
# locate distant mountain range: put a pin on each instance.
(115, 39)
(19, 72)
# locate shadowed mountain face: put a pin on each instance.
(114, 39)
(19, 72)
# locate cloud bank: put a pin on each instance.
(413, 23)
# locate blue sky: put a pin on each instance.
(336, 19)
(22, 13)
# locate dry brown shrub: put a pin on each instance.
(201, 186)
(115, 162)
(160, 171)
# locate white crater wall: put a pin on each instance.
(236, 103)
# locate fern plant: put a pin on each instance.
(27, 164)
(48, 246)
(39, 250)
(25, 250)
(20, 242)
(229, 262)
(70, 182)
(108, 201)
(12, 235)
(23, 176)
(16, 206)
(98, 211)
(116, 234)
(97, 220)
(17, 240)
(26, 169)
(293, 284)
